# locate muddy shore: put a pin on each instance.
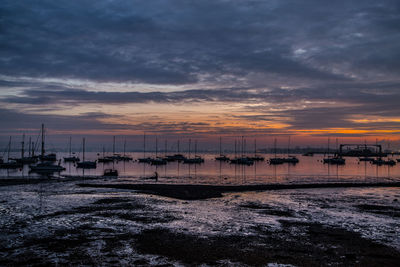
(108, 225)
(197, 192)
(297, 243)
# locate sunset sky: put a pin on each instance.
(201, 69)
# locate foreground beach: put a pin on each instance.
(114, 223)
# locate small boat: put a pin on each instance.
(110, 173)
(43, 157)
(10, 164)
(105, 159)
(158, 161)
(276, 161)
(291, 159)
(242, 161)
(25, 160)
(335, 160)
(85, 164)
(221, 157)
(196, 159)
(145, 160)
(71, 158)
(366, 159)
(308, 154)
(46, 167)
(118, 157)
(256, 157)
(125, 157)
(175, 157)
(49, 157)
(381, 161)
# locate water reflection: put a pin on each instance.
(213, 171)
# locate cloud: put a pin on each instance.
(308, 64)
(178, 42)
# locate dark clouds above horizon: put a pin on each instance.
(291, 55)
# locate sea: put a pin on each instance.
(60, 223)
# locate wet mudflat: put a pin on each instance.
(62, 223)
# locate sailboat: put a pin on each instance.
(336, 159)
(85, 164)
(43, 156)
(290, 159)
(10, 164)
(124, 157)
(242, 160)
(26, 160)
(275, 160)
(157, 160)
(256, 157)
(46, 166)
(197, 159)
(176, 157)
(71, 158)
(144, 159)
(221, 157)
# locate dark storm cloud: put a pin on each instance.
(172, 42)
(19, 120)
(79, 96)
(344, 52)
(367, 97)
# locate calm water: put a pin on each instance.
(309, 169)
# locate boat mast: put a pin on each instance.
(255, 147)
(220, 146)
(83, 149)
(165, 149)
(235, 149)
(195, 148)
(156, 146)
(8, 150)
(33, 149)
(190, 142)
(124, 146)
(242, 146)
(144, 145)
(275, 147)
(329, 140)
(114, 145)
(42, 152)
(337, 152)
(70, 144)
(29, 147)
(23, 145)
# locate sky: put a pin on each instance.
(183, 69)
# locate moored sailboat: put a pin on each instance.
(71, 158)
(85, 164)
